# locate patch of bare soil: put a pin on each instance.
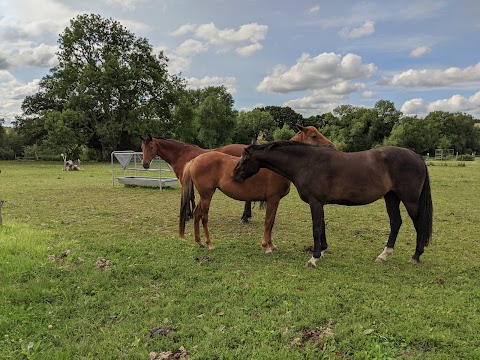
(204, 258)
(160, 330)
(180, 354)
(314, 336)
(102, 263)
(308, 248)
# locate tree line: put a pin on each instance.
(109, 88)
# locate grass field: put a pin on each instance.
(91, 272)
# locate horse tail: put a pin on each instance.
(262, 205)
(187, 195)
(425, 212)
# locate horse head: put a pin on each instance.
(310, 135)
(247, 166)
(149, 151)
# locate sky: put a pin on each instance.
(309, 55)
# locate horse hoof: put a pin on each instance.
(201, 245)
(269, 253)
(243, 221)
(310, 264)
(414, 261)
(211, 247)
(380, 260)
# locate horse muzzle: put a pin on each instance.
(146, 166)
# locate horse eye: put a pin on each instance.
(314, 136)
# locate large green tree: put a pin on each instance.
(213, 116)
(282, 115)
(111, 84)
(355, 128)
(456, 131)
(250, 124)
(414, 134)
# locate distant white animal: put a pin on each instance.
(69, 165)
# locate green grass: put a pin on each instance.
(236, 303)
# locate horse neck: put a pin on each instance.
(282, 162)
(174, 153)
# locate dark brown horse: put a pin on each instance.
(327, 176)
(177, 154)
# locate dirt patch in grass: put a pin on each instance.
(180, 354)
(314, 337)
(204, 258)
(160, 330)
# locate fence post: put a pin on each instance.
(1, 204)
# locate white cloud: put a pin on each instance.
(27, 55)
(314, 104)
(324, 100)
(420, 51)
(456, 103)
(12, 93)
(368, 94)
(323, 71)
(23, 18)
(184, 29)
(180, 58)
(189, 48)
(314, 9)
(228, 82)
(434, 77)
(245, 40)
(368, 28)
(127, 5)
(249, 49)
(414, 106)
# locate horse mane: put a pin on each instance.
(172, 140)
(279, 144)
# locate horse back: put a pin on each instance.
(214, 170)
(360, 177)
(232, 149)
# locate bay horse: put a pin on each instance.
(326, 176)
(177, 154)
(213, 170)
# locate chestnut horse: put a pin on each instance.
(326, 176)
(177, 154)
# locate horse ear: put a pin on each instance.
(149, 137)
(300, 127)
(248, 151)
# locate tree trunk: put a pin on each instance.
(99, 154)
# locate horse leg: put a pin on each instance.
(412, 209)
(393, 209)
(319, 237)
(197, 214)
(205, 208)
(272, 206)
(247, 212)
(192, 202)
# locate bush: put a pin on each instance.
(284, 133)
(466, 157)
(7, 154)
